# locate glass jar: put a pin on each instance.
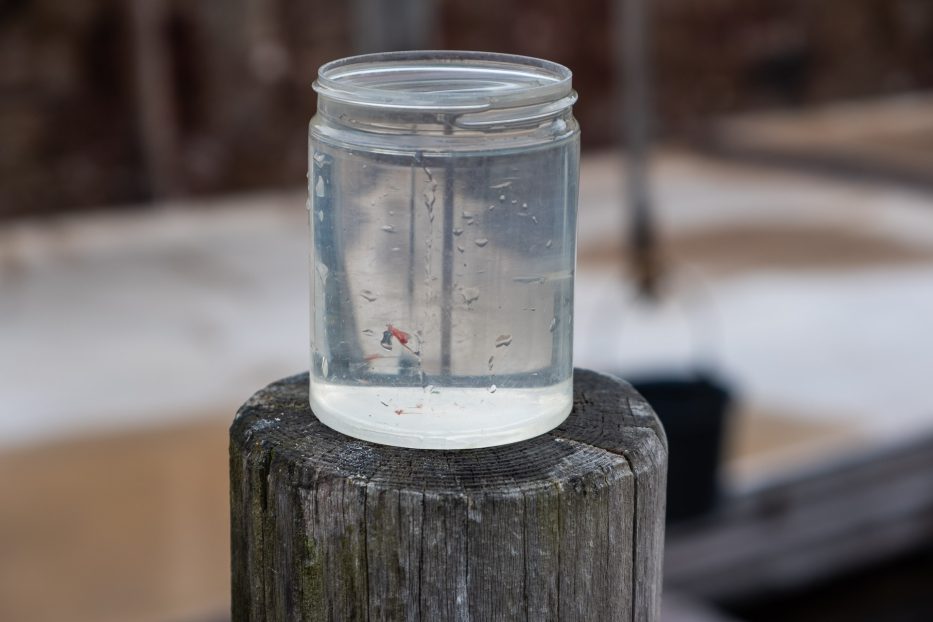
(442, 198)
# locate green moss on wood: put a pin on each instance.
(312, 582)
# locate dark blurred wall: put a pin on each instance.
(116, 101)
(123, 101)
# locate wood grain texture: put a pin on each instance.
(565, 526)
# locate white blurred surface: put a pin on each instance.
(113, 320)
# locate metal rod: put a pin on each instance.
(380, 26)
(412, 222)
(633, 64)
(155, 96)
(447, 266)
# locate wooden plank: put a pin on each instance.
(126, 526)
(886, 139)
(809, 527)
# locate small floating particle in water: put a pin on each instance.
(534, 219)
(490, 362)
(320, 215)
(470, 294)
(492, 207)
(503, 340)
(504, 184)
(388, 228)
(324, 367)
(367, 295)
(481, 242)
(514, 201)
(457, 231)
(319, 188)
(529, 279)
(548, 244)
(524, 206)
(399, 411)
(396, 249)
(502, 197)
(384, 403)
(368, 331)
(553, 324)
(461, 249)
(492, 388)
(391, 213)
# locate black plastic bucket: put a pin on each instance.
(693, 411)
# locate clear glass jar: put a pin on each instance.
(442, 197)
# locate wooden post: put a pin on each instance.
(566, 526)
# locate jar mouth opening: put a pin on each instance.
(443, 81)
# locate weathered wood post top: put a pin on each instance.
(568, 525)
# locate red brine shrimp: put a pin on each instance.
(399, 335)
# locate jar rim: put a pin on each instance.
(443, 80)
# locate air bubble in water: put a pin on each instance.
(553, 324)
(548, 244)
(492, 388)
(388, 228)
(460, 248)
(502, 197)
(324, 367)
(481, 242)
(319, 188)
(458, 231)
(323, 271)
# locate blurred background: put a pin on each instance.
(773, 299)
